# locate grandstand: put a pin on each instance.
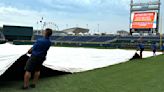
(109, 41)
(74, 38)
(105, 41)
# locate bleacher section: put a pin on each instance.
(84, 38)
(119, 39)
(133, 39)
(122, 42)
(80, 38)
(65, 38)
(104, 38)
(52, 37)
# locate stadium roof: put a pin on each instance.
(76, 30)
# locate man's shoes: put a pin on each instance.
(32, 85)
(24, 88)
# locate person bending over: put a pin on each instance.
(38, 56)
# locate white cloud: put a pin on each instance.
(112, 15)
(14, 16)
(74, 6)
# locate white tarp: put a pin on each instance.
(69, 59)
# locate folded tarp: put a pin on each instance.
(68, 59)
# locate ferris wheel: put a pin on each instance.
(47, 24)
(51, 25)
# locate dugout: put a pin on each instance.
(17, 32)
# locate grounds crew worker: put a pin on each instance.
(38, 56)
(141, 48)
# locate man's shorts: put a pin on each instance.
(154, 51)
(34, 64)
(142, 49)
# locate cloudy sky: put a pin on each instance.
(110, 15)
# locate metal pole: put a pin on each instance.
(77, 25)
(161, 35)
(87, 26)
(131, 6)
(98, 27)
(37, 30)
(159, 5)
(66, 26)
(160, 24)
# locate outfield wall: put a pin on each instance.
(107, 45)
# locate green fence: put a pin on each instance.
(90, 44)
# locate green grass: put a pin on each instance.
(146, 75)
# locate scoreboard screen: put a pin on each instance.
(143, 20)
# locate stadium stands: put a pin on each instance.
(65, 38)
(104, 38)
(119, 39)
(122, 42)
(85, 38)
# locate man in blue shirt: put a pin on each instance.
(141, 48)
(38, 56)
(154, 48)
(162, 48)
